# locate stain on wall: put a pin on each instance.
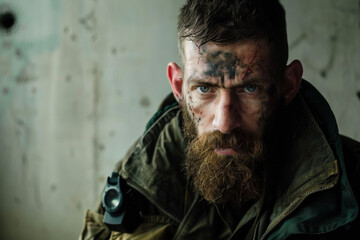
(330, 62)
(145, 102)
(26, 74)
(7, 19)
(89, 22)
(297, 41)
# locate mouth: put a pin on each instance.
(225, 151)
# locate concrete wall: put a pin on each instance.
(325, 36)
(79, 80)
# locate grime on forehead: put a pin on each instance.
(221, 64)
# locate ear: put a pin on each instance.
(175, 77)
(293, 76)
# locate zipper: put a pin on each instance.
(294, 205)
(184, 223)
(255, 230)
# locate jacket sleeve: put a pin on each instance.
(94, 228)
(152, 225)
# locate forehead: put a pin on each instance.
(228, 60)
(240, 48)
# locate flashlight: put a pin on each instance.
(112, 201)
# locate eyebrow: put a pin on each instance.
(245, 82)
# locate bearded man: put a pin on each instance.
(242, 149)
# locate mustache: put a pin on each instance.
(238, 140)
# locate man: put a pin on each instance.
(244, 149)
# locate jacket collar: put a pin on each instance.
(307, 167)
(154, 167)
(316, 195)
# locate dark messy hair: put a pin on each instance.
(231, 21)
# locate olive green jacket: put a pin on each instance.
(313, 197)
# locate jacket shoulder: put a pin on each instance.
(351, 151)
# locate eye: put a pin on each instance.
(250, 88)
(203, 89)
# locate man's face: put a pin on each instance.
(228, 98)
(228, 87)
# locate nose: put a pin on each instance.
(226, 112)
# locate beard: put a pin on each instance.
(235, 178)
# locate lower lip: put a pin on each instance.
(225, 151)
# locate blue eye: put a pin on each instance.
(250, 88)
(203, 89)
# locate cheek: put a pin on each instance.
(193, 107)
(274, 98)
(270, 100)
(254, 112)
(251, 110)
(198, 110)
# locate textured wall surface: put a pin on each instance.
(325, 36)
(79, 80)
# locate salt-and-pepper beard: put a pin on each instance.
(220, 179)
